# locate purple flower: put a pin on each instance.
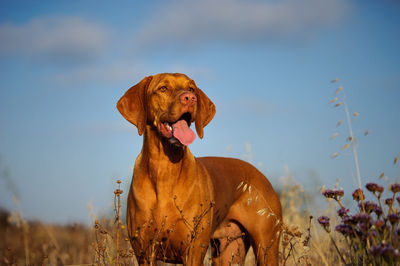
(333, 194)
(342, 212)
(369, 206)
(328, 193)
(349, 220)
(389, 201)
(393, 218)
(373, 187)
(395, 187)
(362, 217)
(378, 211)
(344, 229)
(324, 222)
(385, 250)
(363, 226)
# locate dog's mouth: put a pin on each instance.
(178, 131)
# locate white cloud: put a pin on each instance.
(121, 72)
(55, 39)
(195, 22)
(94, 74)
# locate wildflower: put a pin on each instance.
(333, 194)
(369, 206)
(324, 222)
(349, 220)
(373, 187)
(385, 250)
(342, 212)
(389, 201)
(364, 227)
(378, 211)
(395, 187)
(393, 218)
(358, 194)
(344, 229)
(362, 217)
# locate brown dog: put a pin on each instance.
(178, 203)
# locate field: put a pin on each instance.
(318, 228)
(36, 243)
(305, 240)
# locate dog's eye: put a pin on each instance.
(191, 89)
(163, 89)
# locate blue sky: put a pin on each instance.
(267, 66)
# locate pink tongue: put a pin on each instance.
(183, 133)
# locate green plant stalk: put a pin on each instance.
(337, 249)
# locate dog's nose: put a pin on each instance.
(188, 98)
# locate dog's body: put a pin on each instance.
(178, 203)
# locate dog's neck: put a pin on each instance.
(163, 159)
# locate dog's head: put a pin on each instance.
(169, 103)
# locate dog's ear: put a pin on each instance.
(205, 112)
(132, 104)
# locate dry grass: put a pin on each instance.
(106, 243)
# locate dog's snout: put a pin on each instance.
(188, 98)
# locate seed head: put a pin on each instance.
(395, 187)
(339, 89)
(334, 155)
(333, 100)
(389, 201)
(358, 194)
(334, 135)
